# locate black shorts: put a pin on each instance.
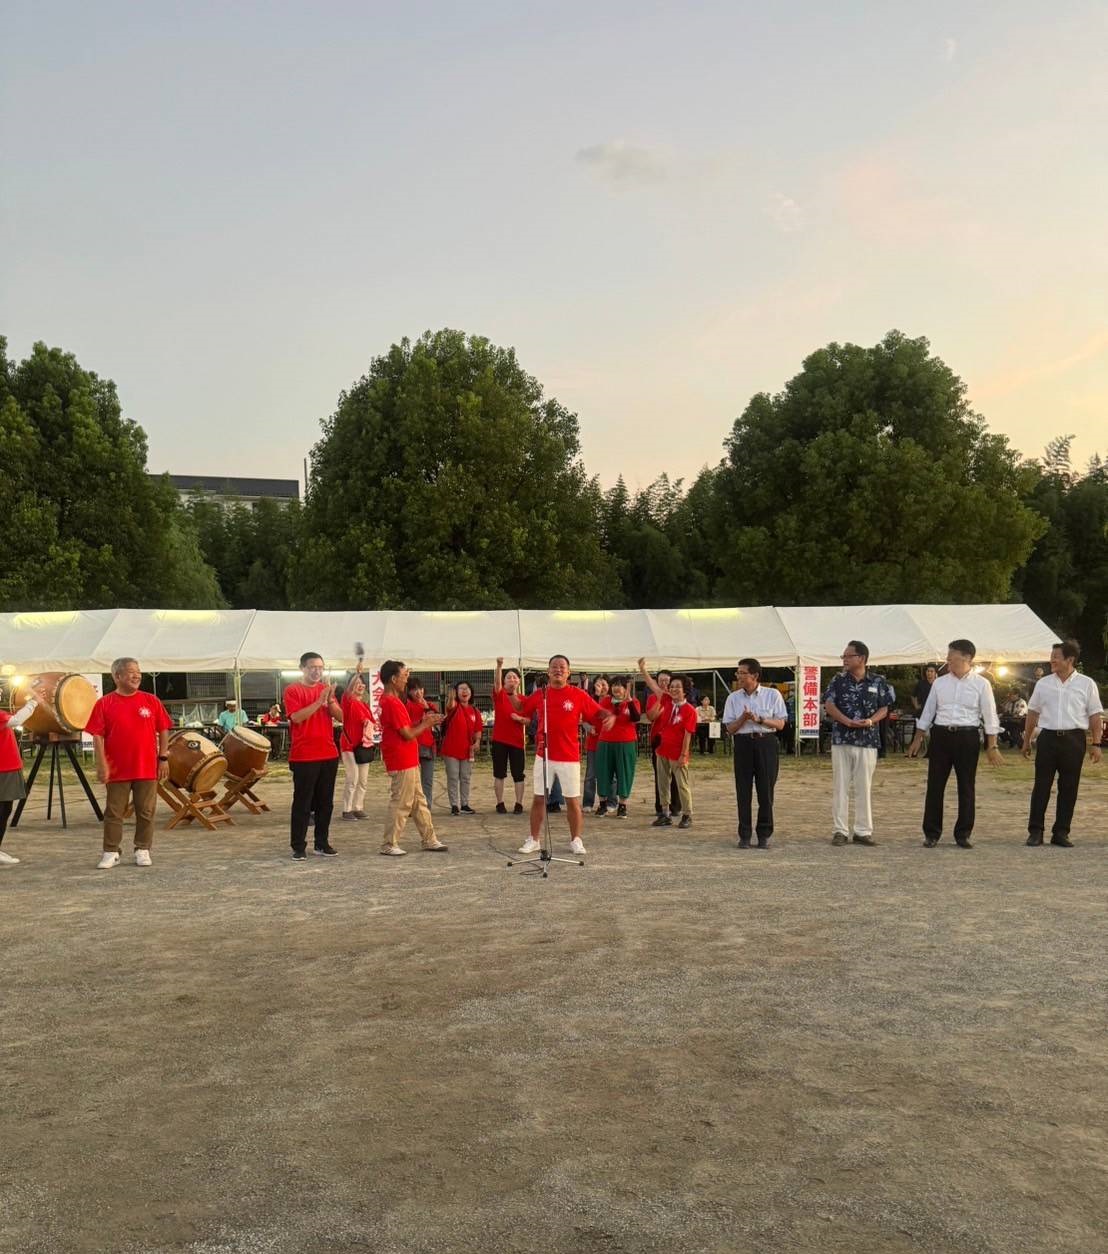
(502, 755)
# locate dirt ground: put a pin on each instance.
(680, 1047)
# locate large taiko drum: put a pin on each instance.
(195, 764)
(64, 702)
(245, 751)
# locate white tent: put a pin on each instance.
(694, 639)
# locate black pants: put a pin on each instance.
(504, 756)
(1061, 754)
(703, 744)
(674, 798)
(957, 748)
(313, 792)
(6, 811)
(756, 767)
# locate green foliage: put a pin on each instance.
(444, 480)
(868, 479)
(84, 525)
(251, 549)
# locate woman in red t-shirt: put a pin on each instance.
(461, 731)
(11, 769)
(313, 756)
(507, 736)
(356, 747)
(418, 708)
(617, 752)
(598, 690)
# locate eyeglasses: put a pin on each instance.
(849, 657)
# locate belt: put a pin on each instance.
(755, 735)
(1062, 731)
(950, 728)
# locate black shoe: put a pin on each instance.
(762, 844)
(467, 810)
(839, 838)
(1036, 838)
(454, 810)
(517, 808)
(554, 808)
(1063, 842)
(663, 820)
(325, 851)
(621, 812)
(744, 844)
(600, 811)
(863, 840)
(686, 821)
(299, 855)
(963, 842)
(929, 842)
(501, 808)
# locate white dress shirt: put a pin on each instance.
(765, 702)
(965, 702)
(1065, 706)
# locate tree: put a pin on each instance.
(868, 479)
(251, 549)
(444, 480)
(85, 525)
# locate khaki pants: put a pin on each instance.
(145, 793)
(357, 776)
(670, 771)
(852, 768)
(406, 801)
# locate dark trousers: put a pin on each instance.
(674, 796)
(1061, 754)
(313, 792)
(6, 811)
(756, 767)
(958, 749)
(703, 744)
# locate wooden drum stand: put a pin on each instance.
(53, 741)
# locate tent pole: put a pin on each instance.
(237, 682)
(796, 712)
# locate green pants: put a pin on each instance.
(615, 757)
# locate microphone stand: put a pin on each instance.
(540, 863)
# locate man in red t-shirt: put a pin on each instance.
(313, 757)
(418, 706)
(400, 751)
(674, 722)
(558, 746)
(130, 737)
(507, 736)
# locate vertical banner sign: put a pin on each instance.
(807, 704)
(97, 682)
(376, 691)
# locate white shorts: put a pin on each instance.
(568, 775)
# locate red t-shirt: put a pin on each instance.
(673, 722)
(505, 730)
(417, 713)
(355, 715)
(625, 728)
(129, 726)
(313, 740)
(10, 758)
(567, 707)
(399, 754)
(457, 740)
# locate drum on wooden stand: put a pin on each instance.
(195, 763)
(65, 702)
(245, 751)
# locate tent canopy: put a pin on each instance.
(694, 639)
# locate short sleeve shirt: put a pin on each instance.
(355, 715)
(129, 726)
(398, 753)
(858, 698)
(625, 730)
(567, 707)
(673, 722)
(313, 739)
(417, 713)
(10, 759)
(505, 730)
(465, 722)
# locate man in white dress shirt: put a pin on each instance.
(959, 702)
(1064, 706)
(753, 716)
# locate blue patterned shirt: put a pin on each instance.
(858, 698)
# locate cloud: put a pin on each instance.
(785, 213)
(621, 162)
(950, 49)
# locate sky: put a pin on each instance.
(231, 209)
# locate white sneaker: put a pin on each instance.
(393, 851)
(530, 845)
(6, 859)
(142, 857)
(107, 860)
(577, 845)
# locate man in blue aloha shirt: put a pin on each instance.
(856, 701)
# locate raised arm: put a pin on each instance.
(649, 680)
(498, 675)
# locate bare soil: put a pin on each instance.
(679, 1047)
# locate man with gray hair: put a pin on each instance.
(130, 737)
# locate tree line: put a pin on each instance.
(447, 479)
